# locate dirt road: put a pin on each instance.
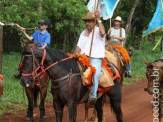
(136, 106)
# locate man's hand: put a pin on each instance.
(76, 51)
(97, 14)
(75, 54)
(114, 37)
(39, 48)
(20, 28)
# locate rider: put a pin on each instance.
(98, 48)
(116, 36)
(41, 35)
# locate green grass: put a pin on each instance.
(137, 61)
(14, 97)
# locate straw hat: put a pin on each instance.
(118, 18)
(89, 16)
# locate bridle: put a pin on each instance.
(148, 71)
(149, 74)
(40, 68)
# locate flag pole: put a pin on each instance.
(110, 24)
(96, 8)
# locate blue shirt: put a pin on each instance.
(42, 37)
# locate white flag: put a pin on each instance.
(106, 7)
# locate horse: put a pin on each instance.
(66, 83)
(119, 64)
(154, 74)
(115, 60)
(121, 68)
(38, 85)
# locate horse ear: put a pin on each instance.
(36, 43)
(146, 62)
(25, 42)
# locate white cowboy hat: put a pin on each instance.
(118, 18)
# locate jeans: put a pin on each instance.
(128, 68)
(95, 62)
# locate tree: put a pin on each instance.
(142, 15)
(128, 25)
(65, 16)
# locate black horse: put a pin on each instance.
(67, 88)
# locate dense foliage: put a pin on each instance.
(141, 18)
(66, 15)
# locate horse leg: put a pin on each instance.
(98, 107)
(35, 98)
(29, 93)
(42, 103)
(115, 100)
(72, 111)
(86, 111)
(94, 116)
(58, 108)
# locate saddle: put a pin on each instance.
(108, 73)
(120, 56)
(122, 53)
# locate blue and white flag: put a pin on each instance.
(106, 7)
(157, 20)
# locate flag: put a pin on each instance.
(106, 7)
(157, 20)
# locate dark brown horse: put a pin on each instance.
(154, 74)
(67, 88)
(34, 86)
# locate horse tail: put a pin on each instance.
(35, 98)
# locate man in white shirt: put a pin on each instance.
(116, 36)
(98, 48)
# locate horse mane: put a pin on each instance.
(68, 65)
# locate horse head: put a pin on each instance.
(28, 63)
(154, 74)
(31, 45)
(108, 46)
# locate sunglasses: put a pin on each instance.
(89, 21)
(117, 21)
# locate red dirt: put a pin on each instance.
(136, 107)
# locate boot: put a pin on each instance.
(127, 74)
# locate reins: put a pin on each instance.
(41, 66)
